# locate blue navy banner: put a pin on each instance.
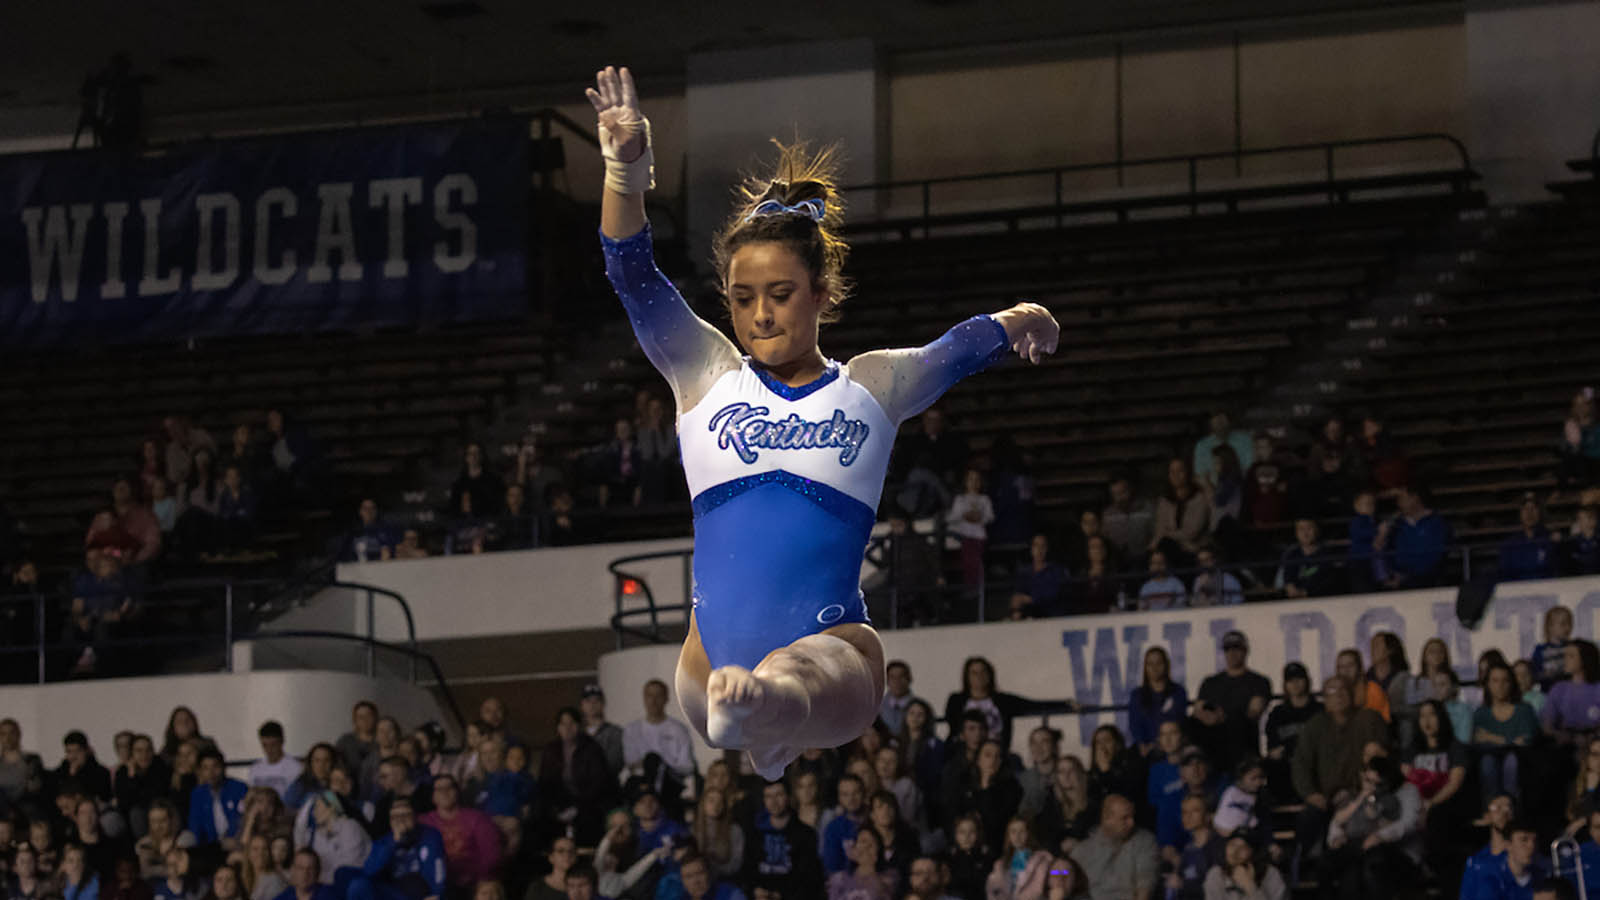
(416, 225)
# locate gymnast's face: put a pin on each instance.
(773, 305)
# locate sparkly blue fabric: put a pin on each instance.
(795, 393)
(777, 558)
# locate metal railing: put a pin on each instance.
(171, 617)
(1193, 194)
(664, 618)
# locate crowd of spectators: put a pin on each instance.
(1209, 535)
(1388, 779)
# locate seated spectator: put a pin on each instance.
(1580, 552)
(164, 506)
(338, 840)
(476, 478)
(406, 863)
(1213, 585)
(1308, 569)
(355, 745)
(1240, 812)
(1572, 710)
(261, 878)
(468, 532)
(910, 565)
(1096, 589)
(247, 452)
(1388, 660)
(101, 851)
(1157, 700)
(1227, 498)
(652, 826)
(26, 882)
(968, 519)
(1119, 859)
(784, 852)
(1436, 765)
(136, 520)
(370, 538)
(1447, 690)
(1415, 542)
(1580, 444)
(897, 697)
(969, 859)
(275, 769)
(561, 857)
(1162, 590)
(1375, 837)
(1222, 434)
(559, 528)
(516, 528)
(225, 885)
(1328, 488)
(1266, 485)
(80, 769)
(1040, 583)
(1166, 787)
(1074, 549)
(386, 744)
(1022, 868)
(1387, 467)
(860, 879)
(1502, 729)
(184, 440)
(1127, 522)
(843, 826)
(1183, 516)
(657, 445)
(410, 546)
(396, 783)
(1550, 655)
(236, 510)
(575, 785)
(1067, 815)
(1244, 872)
(1531, 552)
(1368, 694)
(1513, 874)
(313, 778)
(195, 532)
(126, 884)
(180, 883)
(164, 832)
(471, 841)
(1200, 852)
(533, 475)
(927, 880)
(993, 794)
(1284, 725)
(1328, 758)
(305, 879)
(695, 881)
(1367, 567)
(897, 838)
(1527, 687)
(608, 735)
(79, 881)
(717, 833)
(103, 603)
(1044, 747)
(215, 811)
(582, 884)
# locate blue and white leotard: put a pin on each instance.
(785, 480)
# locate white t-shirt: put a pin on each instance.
(1236, 812)
(668, 738)
(278, 775)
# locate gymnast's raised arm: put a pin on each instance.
(907, 380)
(687, 350)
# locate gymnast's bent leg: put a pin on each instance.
(823, 690)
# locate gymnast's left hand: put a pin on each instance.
(1031, 330)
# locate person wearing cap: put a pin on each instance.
(338, 840)
(1328, 758)
(1531, 552)
(1283, 728)
(652, 825)
(1231, 703)
(606, 734)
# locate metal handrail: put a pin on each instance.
(1192, 160)
(654, 610)
(373, 643)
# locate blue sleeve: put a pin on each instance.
(833, 858)
(200, 818)
(1140, 728)
(682, 346)
(378, 857)
(434, 873)
(912, 379)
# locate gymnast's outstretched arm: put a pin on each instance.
(908, 380)
(687, 350)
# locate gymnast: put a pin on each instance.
(784, 450)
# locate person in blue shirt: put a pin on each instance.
(1512, 876)
(1164, 788)
(1549, 658)
(1416, 541)
(214, 804)
(305, 878)
(1366, 569)
(653, 827)
(693, 881)
(1580, 552)
(1531, 552)
(78, 881)
(1157, 700)
(843, 827)
(405, 864)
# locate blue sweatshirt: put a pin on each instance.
(1419, 546)
(202, 812)
(1166, 791)
(422, 855)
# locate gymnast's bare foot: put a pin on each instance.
(744, 710)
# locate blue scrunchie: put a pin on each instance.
(814, 209)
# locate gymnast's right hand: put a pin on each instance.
(622, 126)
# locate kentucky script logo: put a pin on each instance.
(739, 426)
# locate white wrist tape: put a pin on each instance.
(633, 177)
